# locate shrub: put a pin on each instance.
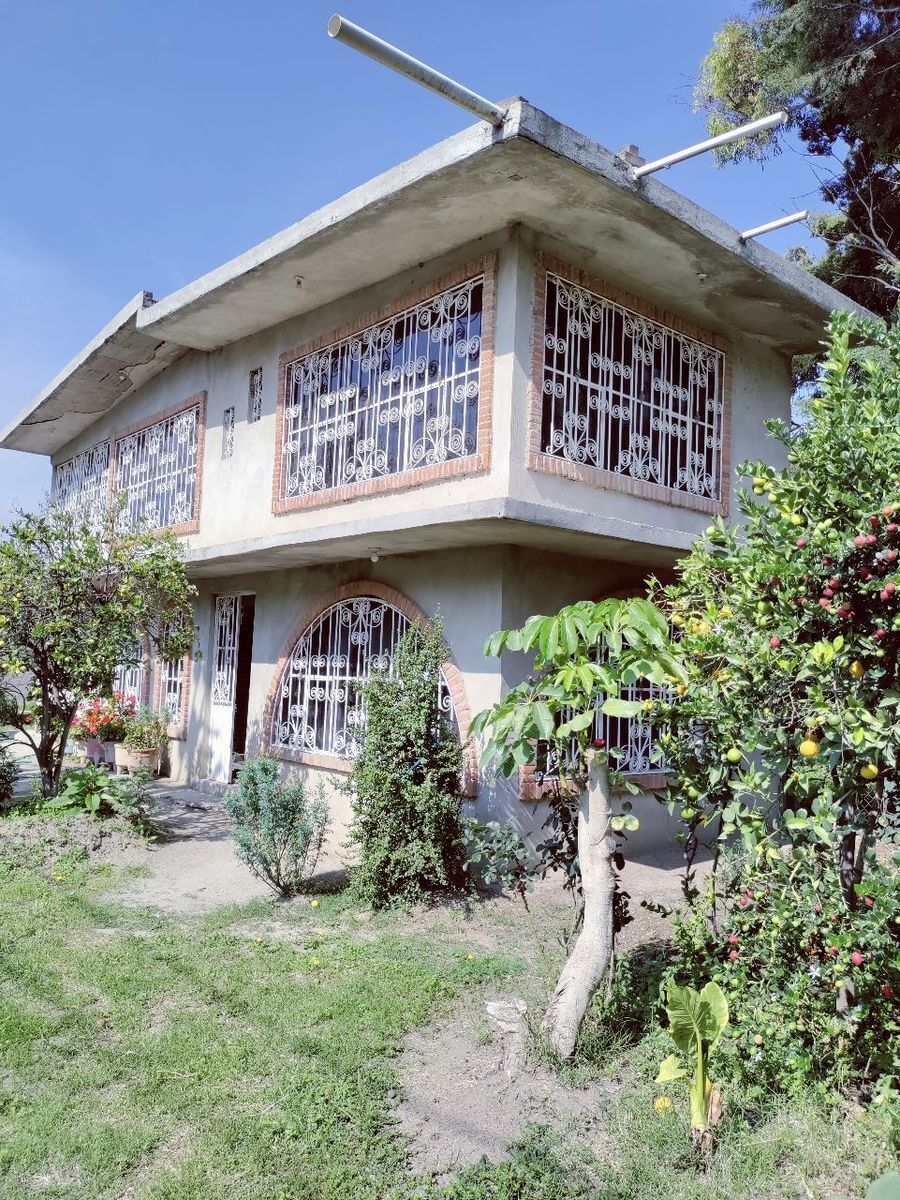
(405, 783)
(9, 773)
(496, 855)
(93, 790)
(813, 986)
(278, 828)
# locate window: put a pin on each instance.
(397, 396)
(156, 470)
(630, 397)
(228, 433)
(255, 396)
(82, 483)
(172, 688)
(318, 708)
(130, 678)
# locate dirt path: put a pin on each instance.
(191, 866)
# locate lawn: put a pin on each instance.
(148, 1057)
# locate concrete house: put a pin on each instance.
(500, 377)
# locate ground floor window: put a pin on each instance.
(318, 707)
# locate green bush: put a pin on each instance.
(495, 855)
(405, 783)
(9, 773)
(812, 985)
(279, 829)
(93, 790)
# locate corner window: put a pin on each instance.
(630, 397)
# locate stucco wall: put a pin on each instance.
(476, 592)
(236, 505)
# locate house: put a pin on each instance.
(500, 377)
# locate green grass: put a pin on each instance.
(195, 1062)
(156, 1059)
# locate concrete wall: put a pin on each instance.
(476, 592)
(237, 492)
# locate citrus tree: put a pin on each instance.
(75, 595)
(786, 726)
(582, 658)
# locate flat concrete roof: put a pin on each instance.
(643, 237)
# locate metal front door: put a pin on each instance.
(226, 637)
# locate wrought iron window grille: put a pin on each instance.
(397, 396)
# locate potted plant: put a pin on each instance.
(100, 723)
(145, 737)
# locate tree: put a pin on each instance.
(583, 656)
(405, 785)
(75, 596)
(836, 68)
(786, 728)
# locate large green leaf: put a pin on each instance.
(885, 1188)
(696, 1018)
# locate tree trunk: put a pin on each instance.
(592, 953)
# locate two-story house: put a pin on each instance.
(500, 377)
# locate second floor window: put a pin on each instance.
(81, 484)
(399, 395)
(156, 471)
(630, 397)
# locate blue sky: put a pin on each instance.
(146, 143)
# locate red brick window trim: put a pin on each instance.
(447, 458)
(414, 615)
(198, 402)
(574, 463)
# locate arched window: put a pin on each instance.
(318, 707)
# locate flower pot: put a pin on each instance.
(120, 756)
(143, 760)
(91, 749)
(109, 749)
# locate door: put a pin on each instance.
(232, 652)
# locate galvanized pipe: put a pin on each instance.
(712, 143)
(404, 64)
(770, 225)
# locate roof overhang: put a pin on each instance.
(118, 360)
(533, 171)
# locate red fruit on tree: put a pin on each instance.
(871, 539)
(874, 522)
(878, 634)
(890, 555)
(829, 592)
(832, 950)
(801, 543)
(892, 528)
(834, 581)
(733, 955)
(774, 642)
(856, 958)
(890, 588)
(884, 595)
(860, 539)
(733, 938)
(870, 902)
(887, 991)
(599, 743)
(824, 602)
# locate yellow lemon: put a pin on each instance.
(869, 771)
(681, 689)
(809, 747)
(313, 904)
(757, 1040)
(857, 670)
(661, 1105)
(796, 519)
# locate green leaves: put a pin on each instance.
(696, 1019)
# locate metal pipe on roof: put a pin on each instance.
(712, 143)
(404, 64)
(770, 225)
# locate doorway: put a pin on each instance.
(232, 657)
